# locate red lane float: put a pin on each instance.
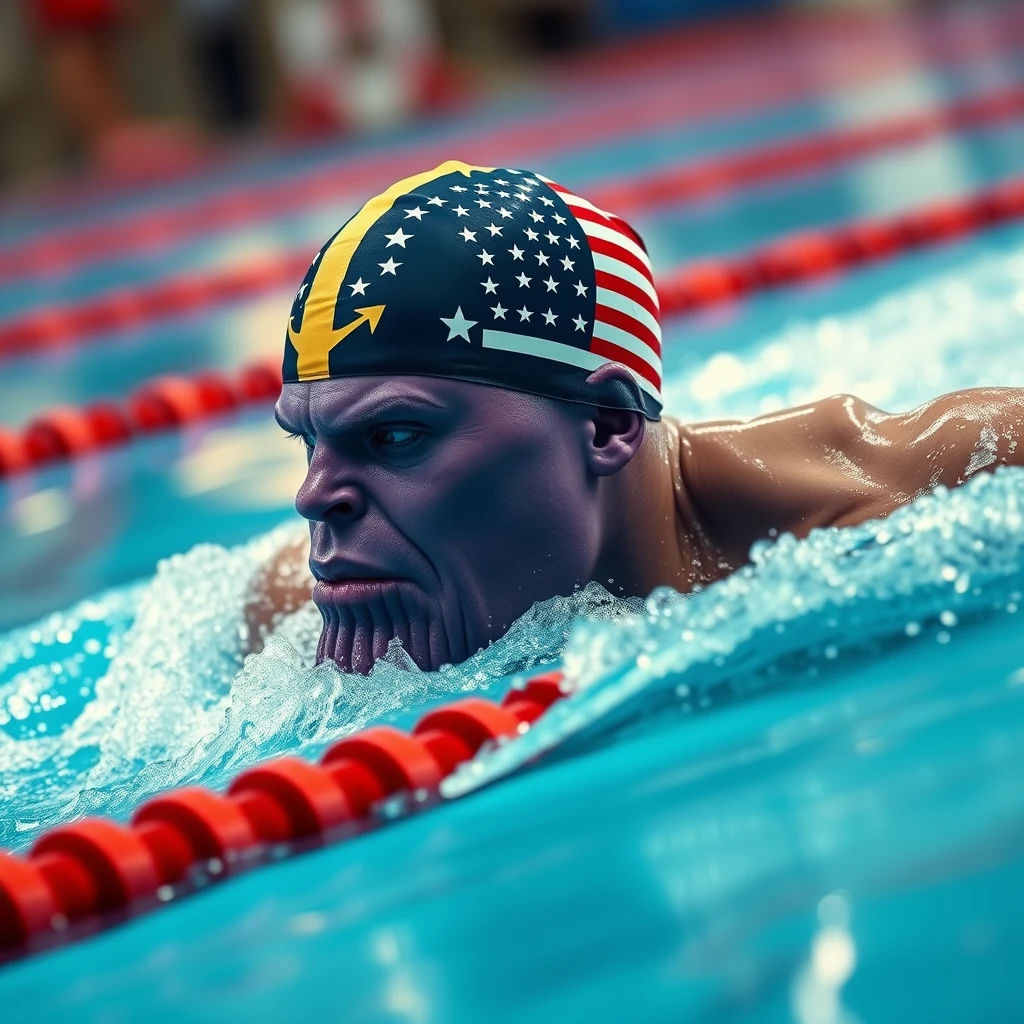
(806, 73)
(61, 327)
(165, 403)
(809, 255)
(682, 183)
(81, 871)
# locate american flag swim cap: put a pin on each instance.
(484, 274)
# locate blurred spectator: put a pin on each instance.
(219, 35)
(78, 39)
(355, 64)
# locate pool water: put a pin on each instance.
(794, 795)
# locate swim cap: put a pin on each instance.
(492, 275)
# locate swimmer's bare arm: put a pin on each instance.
(841, 461)
(945, 441)
(282, 586)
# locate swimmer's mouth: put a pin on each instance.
(352, 588)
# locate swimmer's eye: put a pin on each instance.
(309, 442)
(394, 438)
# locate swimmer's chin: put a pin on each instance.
(362, 616)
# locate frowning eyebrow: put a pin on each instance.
(370, 410)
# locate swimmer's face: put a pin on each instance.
(439, 511)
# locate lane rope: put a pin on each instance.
(92, 873)
(60, 251)
(172, 402)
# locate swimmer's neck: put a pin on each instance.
(653, 536)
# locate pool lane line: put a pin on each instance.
(167, 402)
(732, 171)
(90, 874)
(174, 402)
(742, 39)
(59, 251)
(132, 308)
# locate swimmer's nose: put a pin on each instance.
(321, 498)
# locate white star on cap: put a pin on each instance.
(485, 257)
(436, 201)
(552, 284)
(581, 288)
(500, 181)
(523, 197)
(542, 258)
(398, 238)
(461, 211)
(456, 188)
(524, 281)
(581, 324)
(536, 217)
(504, 212)
(573, 244)
(531, 234)
(546, 201)
(494, 229)
(567, 264)
(469, 236)
(499, 311)
(549, 317)
(389, 268)
(553, 239)
(517, 253)
(559, 219)
(359, 287)
(482, 203)
(490, 287)
(458, 326)
(415, 212)
(524, 314)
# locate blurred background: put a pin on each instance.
(169, 167)
(135, 89)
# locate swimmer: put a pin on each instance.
(472, 364)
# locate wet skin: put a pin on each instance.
(442, 510)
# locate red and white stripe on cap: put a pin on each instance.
(626, 325)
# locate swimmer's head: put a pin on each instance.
(460, 440)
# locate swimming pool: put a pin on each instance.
(793, 795)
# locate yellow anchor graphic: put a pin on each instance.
(317, 337)
(313, 359)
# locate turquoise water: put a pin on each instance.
(795, 795)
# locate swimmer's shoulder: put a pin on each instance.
(281, 586)
(783, 472)
(841, 460)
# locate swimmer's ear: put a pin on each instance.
(613, 436)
